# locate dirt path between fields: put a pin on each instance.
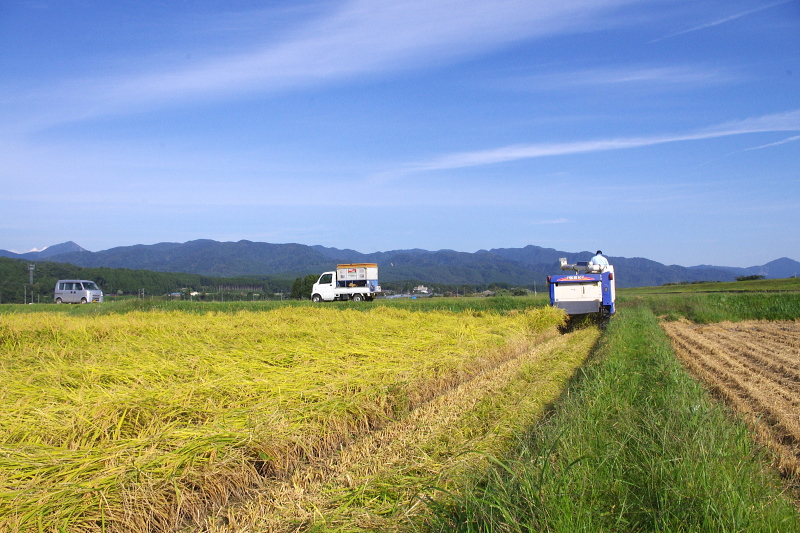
(402, 447)
(755, 368)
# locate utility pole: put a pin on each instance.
(31, 268)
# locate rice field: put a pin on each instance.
(166, 420)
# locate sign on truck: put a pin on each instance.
(355, 281)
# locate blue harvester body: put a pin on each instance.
(590, 289)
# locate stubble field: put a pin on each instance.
(754, 366)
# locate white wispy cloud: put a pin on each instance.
(789, 121)
(722, 20)
(790, 139)
(549, 222)
(665, 77)
(362, 38)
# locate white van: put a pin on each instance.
(77, 291)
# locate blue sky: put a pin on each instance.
(660, 129)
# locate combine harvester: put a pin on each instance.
(586, 295)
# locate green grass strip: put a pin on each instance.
(635, 445)
(762, 285)
(712, 308)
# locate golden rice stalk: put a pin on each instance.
(142, 421)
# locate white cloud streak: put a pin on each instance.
(790, 139)
(660, 77)
(723, 20)
(362, 38)
(550, 222)
(789, 121)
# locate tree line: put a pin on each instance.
(15, 284)
(302, 286)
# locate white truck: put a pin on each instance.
(356, 282)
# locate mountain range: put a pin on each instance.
(513, 266)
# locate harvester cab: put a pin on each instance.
(591, 289)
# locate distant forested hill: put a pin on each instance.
(526, 266)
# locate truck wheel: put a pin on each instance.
(358, 298)
(316, 298)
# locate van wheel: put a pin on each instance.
(83, 300)
(58, 300)
(316, 298)
(358, 298)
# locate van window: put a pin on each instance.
(76, 286)
(90, 286)
(62, 286)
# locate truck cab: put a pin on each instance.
(324, 288)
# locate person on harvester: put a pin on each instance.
(598, 259)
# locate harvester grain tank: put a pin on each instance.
(355, 281)
(590, 290)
